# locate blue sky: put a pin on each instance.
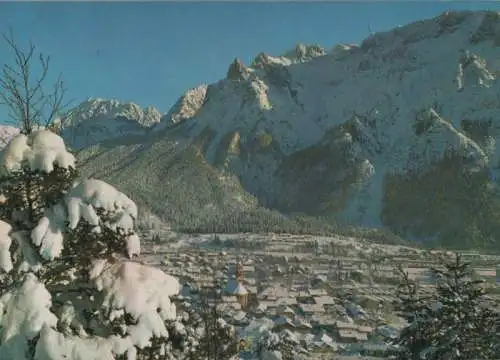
(150, 53)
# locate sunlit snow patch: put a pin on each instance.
(142, 291)
(41, 150)
(5, 241)
(82, 202)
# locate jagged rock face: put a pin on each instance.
(303, 52)
(185, 108)
(96, 120)
(237, 71)
(151, 116)
(94, 109)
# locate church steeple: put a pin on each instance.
(239, 271)
(235, 286)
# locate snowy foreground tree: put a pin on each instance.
(217, 339)
(279, 346)
(202, 334)
(69, 287)
(456, 322)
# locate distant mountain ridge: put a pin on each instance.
(399, 132)
(96, 120)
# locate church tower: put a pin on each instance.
(235, 287)
(240, 292)
(239, 272)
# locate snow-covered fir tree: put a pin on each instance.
(456, 322)
(279, 346)
(70, 288)
(217, 340)
(414, 308)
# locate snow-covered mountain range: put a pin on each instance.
(400, 131)
(96, 120)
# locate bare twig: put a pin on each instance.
(30, 105)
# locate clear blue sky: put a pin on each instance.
(150, 53)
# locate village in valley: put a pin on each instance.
(330, 296)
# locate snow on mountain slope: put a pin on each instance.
(400, 131)
(297, 103)
(96, 120)
(168, 177)
(399, 104)
(186, 107)
(304, 52)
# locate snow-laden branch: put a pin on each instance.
(40, 150)
(23, 88)
(134, 288)
(83, 202)
(23, 313)
(54, 345)
(5, 241)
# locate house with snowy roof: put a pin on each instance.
(239, 318)
(351, 336)
(318, 292)
(285, 310)
(324, 342)
(273, 293)
(283, 323)
(323, 322)
(324, 300)
(302, 325)
(310, 309)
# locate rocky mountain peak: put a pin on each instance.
(237, 71)
(151, 116)
(96, 119)
(186, 107)
(305, 52)
(97, 109)
(263, 61)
